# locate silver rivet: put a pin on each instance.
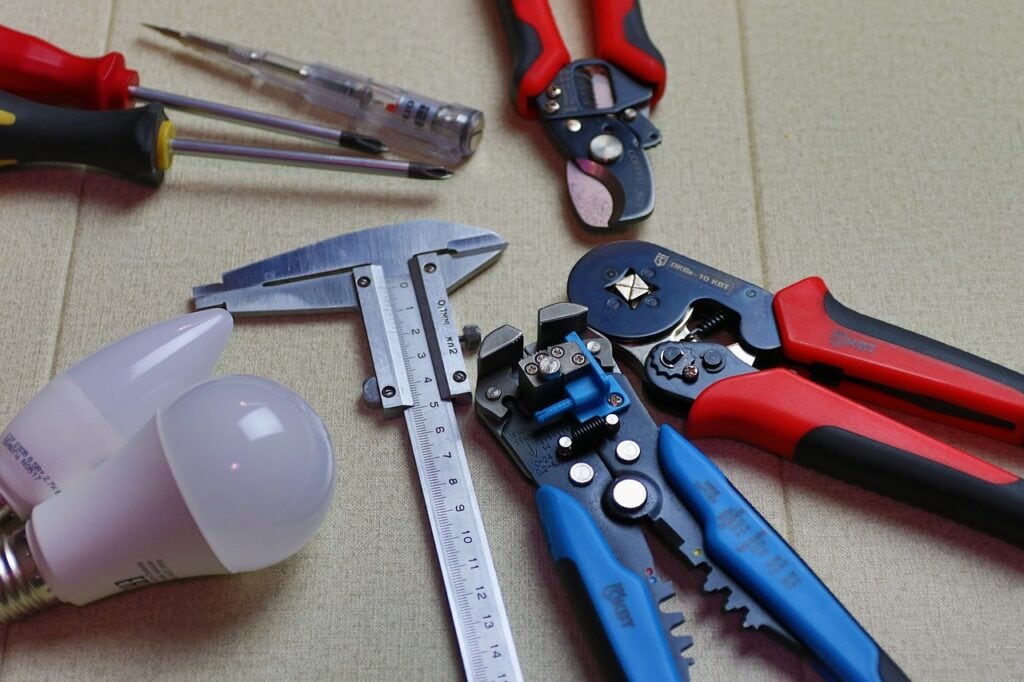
(629, 114)
(550, 368)
(606, 148)
(627, 451)
(594, 346)
(564, 446)
(581, 473)
(554, 90)
(629, 494)
(611, 424)
(573, 125)
(552, 106)
(493, 393)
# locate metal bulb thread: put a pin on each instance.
(7, 515)
(22, 589)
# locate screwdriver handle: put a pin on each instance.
(133, 142)
(43, 72)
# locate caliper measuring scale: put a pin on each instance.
(399, 277)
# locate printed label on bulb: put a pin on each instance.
(34, 469)
(153, 571)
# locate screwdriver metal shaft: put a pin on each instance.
(258, 119)
(445, 131)
(140, 143)
(288, 157)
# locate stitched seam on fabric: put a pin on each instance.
(755, 180)
(5, 634)
(755, 176)
(69, 271)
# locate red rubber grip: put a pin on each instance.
(36, 70)
(935, 380)
(538, 52)
(776, 408)
(622, 39)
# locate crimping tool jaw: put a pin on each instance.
(640, 293)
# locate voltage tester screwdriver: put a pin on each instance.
(33, 68)
(448, 132)
(140, 143)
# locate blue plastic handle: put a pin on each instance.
(745, 545)
(624, 606)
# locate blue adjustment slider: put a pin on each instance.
(590, 395)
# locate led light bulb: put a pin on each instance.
(90, 411)
(234, 475)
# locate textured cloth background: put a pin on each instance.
(877, 144)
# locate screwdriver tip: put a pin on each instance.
(362, 143)
(169, 32)
(424, 172)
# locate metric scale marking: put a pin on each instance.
(481, 625)
(398, 278)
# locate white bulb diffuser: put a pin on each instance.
(90, 411)
(235, 475)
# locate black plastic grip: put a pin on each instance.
(870, 326)
(636, 33)
(538, 51)
(870, 360)
(124, 142)
(622, 39)
(994, 508)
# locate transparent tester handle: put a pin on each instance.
(449, 132)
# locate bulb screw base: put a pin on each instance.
(7, 516)
(22, 589)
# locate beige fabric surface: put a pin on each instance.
(878, 144)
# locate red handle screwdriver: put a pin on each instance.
(36, 70)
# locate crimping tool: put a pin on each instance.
(715, 343)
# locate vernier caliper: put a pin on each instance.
(399, 276)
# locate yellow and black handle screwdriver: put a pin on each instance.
(140, 143)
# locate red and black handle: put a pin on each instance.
(622, 39)
(787, 414)
(877, 362)
(538, 52)
(41, 72)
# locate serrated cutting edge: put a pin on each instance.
(680, 530)
(662, 591)
(755, 617)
